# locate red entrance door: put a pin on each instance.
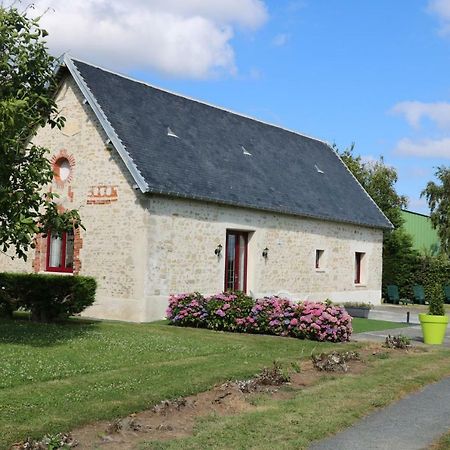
(236, 261)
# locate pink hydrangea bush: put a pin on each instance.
(187, 310)
(321, 321)
(234, 311)
(270, 315)
(226, 308)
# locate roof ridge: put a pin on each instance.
(203, 102)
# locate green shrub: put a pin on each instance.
(432, 270)
(426, 271)
(436, 299)
(47, 297)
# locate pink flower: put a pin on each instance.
(220, 313)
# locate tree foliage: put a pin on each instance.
(378, 179)
(438, 198)
(27, 86)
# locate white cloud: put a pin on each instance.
(441, 8)
(425, 148)
(188, 38)
(280, 39)
(414, 112)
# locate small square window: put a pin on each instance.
(319, 259)
(359, 259)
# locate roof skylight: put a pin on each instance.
(318, 169)
(171, 133)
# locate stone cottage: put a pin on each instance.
(177, 195)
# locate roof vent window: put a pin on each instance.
(245, 151)
(171, 133)
(318, 169)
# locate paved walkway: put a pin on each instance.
(414, 332)
(412, 423)
(395, 314)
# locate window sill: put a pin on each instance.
(321, 270)
(360, 285)
(49, 272)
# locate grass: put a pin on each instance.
(443, 443)
(361, 325)
(56, 377)
(329, 406)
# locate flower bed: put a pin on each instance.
(231, 311)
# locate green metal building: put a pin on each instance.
(425, 237)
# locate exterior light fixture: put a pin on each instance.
(265, 253)
(218, 250)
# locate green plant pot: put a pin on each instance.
(433, 328)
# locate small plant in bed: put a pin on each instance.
(334, 361)
(399, 341)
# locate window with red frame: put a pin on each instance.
(358, 267)
(60, 252)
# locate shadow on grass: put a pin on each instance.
(21, 331)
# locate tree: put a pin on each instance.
(438, 199)
(399, 258)
(378, 180)
(27, 87)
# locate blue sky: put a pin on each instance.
(376, 73)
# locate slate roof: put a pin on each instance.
(220, 156)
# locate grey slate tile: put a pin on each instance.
(207, 161)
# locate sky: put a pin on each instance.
(372, 72)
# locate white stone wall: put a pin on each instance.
(141, 248)
(114, 245)
(183, 235)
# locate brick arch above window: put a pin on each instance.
(63, 164)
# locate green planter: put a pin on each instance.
(433, 328)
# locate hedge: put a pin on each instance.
(47, 297)
(234, 311)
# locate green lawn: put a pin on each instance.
(56, 377)
(329, 406)
(361, 325)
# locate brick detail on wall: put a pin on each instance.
(77, 246)
(40, 252)
(70, 194)
(102, 195)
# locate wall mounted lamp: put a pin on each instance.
(265, 253)
(218, 250)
